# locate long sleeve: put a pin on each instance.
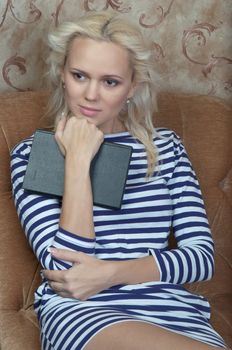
(193, 260)
(39, 216)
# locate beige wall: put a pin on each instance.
(192, 40)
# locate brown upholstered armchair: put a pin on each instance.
(205, 125)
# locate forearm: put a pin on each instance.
(187, 264)
(134, 271)
(39, 216)
(77, 206)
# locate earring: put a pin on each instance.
(63, 85)
(128, 101)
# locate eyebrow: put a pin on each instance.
(104, 76)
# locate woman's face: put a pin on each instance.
(98, 81)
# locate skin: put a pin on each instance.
(98, 81)
(98, 75)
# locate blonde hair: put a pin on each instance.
(114, 28)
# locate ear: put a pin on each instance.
(132, 90)
(62, 74)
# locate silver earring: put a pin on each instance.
(128, 101)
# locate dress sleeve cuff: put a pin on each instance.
(68, 240)
(164, 275)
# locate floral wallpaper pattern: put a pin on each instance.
(192, 40)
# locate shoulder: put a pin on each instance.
(19, 155)
(166, 134)
(167, 139)
(170, 150)
(23, 148)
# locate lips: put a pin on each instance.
(88, 111)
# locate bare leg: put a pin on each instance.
(139, 336)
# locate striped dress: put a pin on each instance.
(171, 199)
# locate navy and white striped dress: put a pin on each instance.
(170, 199)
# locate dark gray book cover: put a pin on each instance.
(108, 172)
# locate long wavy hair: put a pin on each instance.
(111, 27)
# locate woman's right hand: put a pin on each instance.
(78, 139)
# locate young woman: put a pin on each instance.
(109, 279)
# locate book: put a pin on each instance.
(108, 170)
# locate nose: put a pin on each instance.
(92, 91)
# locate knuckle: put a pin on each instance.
(73, 294)
(71, 288)
(82, 297)
(101, 135)
(57, 136)
(76, 296)
(66, 279)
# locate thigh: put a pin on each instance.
(69, 324)
(136, 335)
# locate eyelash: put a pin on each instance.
(77, 75)
(109, 82)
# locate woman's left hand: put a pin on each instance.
(88, 275)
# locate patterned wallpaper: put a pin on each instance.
(192, 40)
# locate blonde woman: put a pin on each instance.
(109, 279)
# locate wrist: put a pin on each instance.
(77, 166)
(116, 272)
(111, 273)
(133, 271)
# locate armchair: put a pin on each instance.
(204, 124)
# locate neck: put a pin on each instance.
(118, 126)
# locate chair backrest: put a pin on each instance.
(205, 125)
(19, 270)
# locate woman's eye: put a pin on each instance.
(78, 76)
(111, 82)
